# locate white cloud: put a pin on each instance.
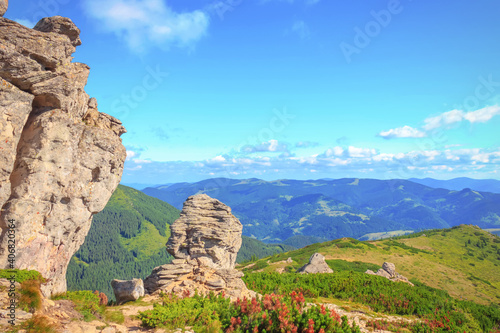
(360, 152)
(130, 154)
(335, 151)
(444, 119)
(335, 162)
(402, 132)
(482, 115)
(271, 146)
(139, 161)
(144, 23)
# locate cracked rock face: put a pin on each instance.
(204, 240)
(61, 159)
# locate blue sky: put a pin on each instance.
(300, 89)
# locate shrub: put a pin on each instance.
(39, 324)
(271, 313)
(30, 298)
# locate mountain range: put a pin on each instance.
(458, 184)
(273, 211)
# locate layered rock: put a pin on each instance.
(60, 158)
(317, 264)
(205, 240)
(388, 271)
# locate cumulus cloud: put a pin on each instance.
(145, 23)
(271, 146)
(443, 120)
(402, 132)
(336, 162)
(482, 115)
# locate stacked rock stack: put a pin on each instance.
(204, 242)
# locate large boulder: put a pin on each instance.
(3, 6)
(204, 240)
(57, 169)
(129, 290)
(317, 264)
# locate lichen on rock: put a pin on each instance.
(56, 168)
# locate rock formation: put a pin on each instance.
(317, 264)
(126, 291)
(205, 240)
(60, 159)
(3, 6)
(388, 271)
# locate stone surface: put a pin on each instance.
(204, 240)
(3, 6)
(316, 264)
(388, 271)
(60, 159)
(389, 268)
(126, 291)
(206, 231)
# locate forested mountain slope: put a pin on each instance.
(277, 210)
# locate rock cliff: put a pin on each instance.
(60, 159)
(205, 241)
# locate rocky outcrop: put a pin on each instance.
(60, 159)
(388, 271)
(126, 291)
(3, 6)
(205, 240)
(317, 264)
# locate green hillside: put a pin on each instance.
(464, 260)
(253, 248)
(126, 240)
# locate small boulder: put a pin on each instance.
(129, 290)
(317, 264)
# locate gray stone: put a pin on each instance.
(317, 264)
(129, 290)
(389, 268)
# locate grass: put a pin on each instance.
(439, 259)
(86, 302)
(115, 316)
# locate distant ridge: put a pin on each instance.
(274, 211)
(458, 184)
